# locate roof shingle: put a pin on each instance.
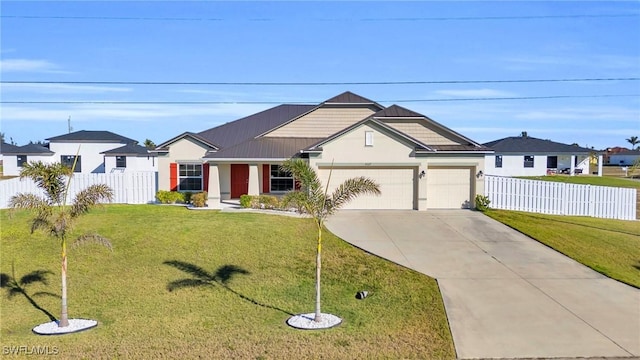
(519, 144)
(92, 136)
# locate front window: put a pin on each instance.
(528, 161)
(190, 177)
(498, 161)
(280, 180)
(552, 162)
(121, 161)
(68, 160)
(22, 159)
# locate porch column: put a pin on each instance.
(422, 187)
(600, 165)
(254, 180)
(213, 191)
(573, 165)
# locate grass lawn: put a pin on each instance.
(589, 180)
(611, 247)
(126, 290)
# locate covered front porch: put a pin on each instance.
(230, 180)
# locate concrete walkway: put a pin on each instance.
(506, 295)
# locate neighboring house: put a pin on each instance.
(528, 156)
(15, 156)
(419, 163)
(624, 158)
(131, 157)
(91, 148)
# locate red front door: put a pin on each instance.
(239, 180)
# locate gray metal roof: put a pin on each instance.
(397, 111)
(29, 149)
(264, 148)
(241, 130)
(92, 136)
(348, 97)
(521, 144)
(129, 149)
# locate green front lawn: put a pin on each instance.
(611, 247)
(272, 259)
(589, 180)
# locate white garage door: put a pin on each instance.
(396, 186)
(449, 188)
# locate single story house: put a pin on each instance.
(529, 156)
(624, 158)
(15, 156)
(92, 148)
(419, 163)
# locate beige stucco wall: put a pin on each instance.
(350, 148)
(419, 131)
(183, 150)
(225, 181)
(323, 122)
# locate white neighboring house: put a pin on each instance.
(91, 147)
(15, 156)
(625, 158)
(131, 157)
(528, 156)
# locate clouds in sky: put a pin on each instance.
(29, 66)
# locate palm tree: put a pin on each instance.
(52, 215)
(315, 201)
(149, 144)
(634, 141)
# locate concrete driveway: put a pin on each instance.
(506, 295)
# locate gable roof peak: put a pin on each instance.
(397, 111)
(348, 97)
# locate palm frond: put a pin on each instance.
(192, 269)
(89, 197)
(48, 177)
(183, 283)
(28, 201)
(226, 272)
(36, 276)
(302, 172)
(349, 190)
(5, 280)
(45, 293)
(92, 239)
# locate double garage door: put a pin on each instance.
(397, 186)
(447, 187)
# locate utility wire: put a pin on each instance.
(404, 19)
(235, 83)
(300, 102)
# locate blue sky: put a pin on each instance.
(314, 42)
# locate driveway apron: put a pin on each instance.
(505, 294)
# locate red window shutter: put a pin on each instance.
(173, 177)
(205, 177)
(266, 176)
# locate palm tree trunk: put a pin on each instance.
(318, 268)
(64, 321)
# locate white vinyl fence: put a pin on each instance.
(128, 187)
(557, 198)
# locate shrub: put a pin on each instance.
(169, 197)
(245, 201)
(268, 202)
(482, 202)
(199, 199)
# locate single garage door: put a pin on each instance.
(396, 185)
(449, 188)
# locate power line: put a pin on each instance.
(403, 19)
(300, 102)
(235, 83)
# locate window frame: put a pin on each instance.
(21, 160)
(121, 159)
(529, 164)
(498, 162)
(190, 174)
(68, 160)
(279, 178)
